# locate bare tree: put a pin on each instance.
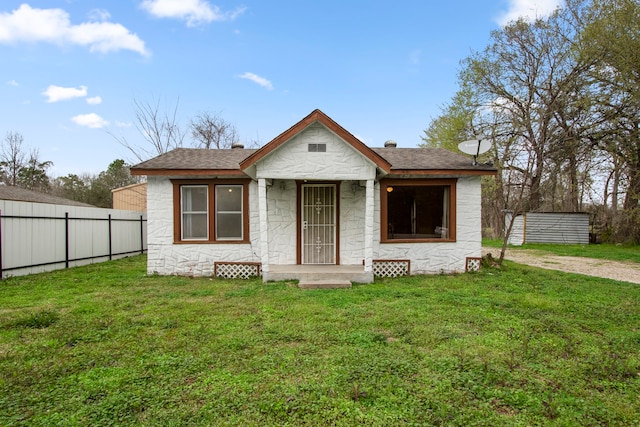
(210, 130)
(12, 158)
(159, 128)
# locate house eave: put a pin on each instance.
(437, 173)
(227, 173)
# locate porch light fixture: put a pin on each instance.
(389, 189)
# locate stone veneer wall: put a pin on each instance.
(446, 257)
(281, 212)
(352, 204)
(198, 259)
(164, 257)
(294, 161)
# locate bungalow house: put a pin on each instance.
(316, 199)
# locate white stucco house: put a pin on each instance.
(314, 197)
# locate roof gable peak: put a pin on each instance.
(316, 116)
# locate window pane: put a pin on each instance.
(229, 212)
(229, 198)
(229, 226)
(418, 212)
(194, 226)
(194, 205)
(194, 198)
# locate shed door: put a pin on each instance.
(318, 224)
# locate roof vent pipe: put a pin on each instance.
(390, 144)
(237, 145)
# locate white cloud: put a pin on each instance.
(257, 79)
(13, 83)
(123, 124)
(99, 15)
(195, 12)
(27, 24)
(91, 120)
(94, 100)
(235, 13)
(529, 10)
(59, 93)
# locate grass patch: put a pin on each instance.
(600, 251)
(37, 320)
(516, 346)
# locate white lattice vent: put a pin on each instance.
(391, 268)
(237, 270)
(473, 264)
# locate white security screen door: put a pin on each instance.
(318, 224)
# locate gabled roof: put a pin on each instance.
(320, 117)
(399, 162)
(8, 192)
(194, 161)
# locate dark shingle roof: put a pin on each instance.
(23, 195)
(428, 159)
(405, 159)
(197, 158)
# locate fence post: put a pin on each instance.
(141, 236)
(66, 240)
(110, 244)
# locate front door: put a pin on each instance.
(318, 224)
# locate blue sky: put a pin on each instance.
(71, 69)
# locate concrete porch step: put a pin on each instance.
(324, 284)
(312, 273)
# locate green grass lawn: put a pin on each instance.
(107, 345)
(599, 251)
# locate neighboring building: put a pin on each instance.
(131, 198)
(549, 227)
(17, 194)
(313, 196)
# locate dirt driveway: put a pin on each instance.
(616, 270)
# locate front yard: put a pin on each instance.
(107, 345)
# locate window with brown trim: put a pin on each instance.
(211, 211)
(418, 210)
(194, 212)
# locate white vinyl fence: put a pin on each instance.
(37, 237)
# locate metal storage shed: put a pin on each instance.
(549, 227)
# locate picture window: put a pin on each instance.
(418, 210)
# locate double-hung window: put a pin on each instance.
(195, 216)
(229, 212)
(210, 211)
(418, 210)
